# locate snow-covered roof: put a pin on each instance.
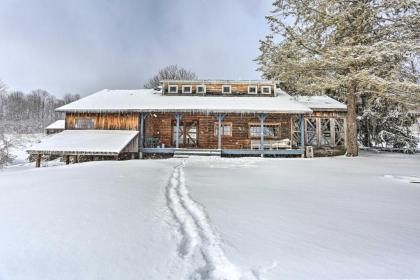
(92, 142)
(60, 124)
(149, 100)
(238, 82)
(321, 102)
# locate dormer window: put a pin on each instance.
(226, 89)
(266, 89)
(201, 89)
(187, 89)
(173, 89)
(252, 89)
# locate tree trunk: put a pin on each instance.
(366, 127)
(352, 149)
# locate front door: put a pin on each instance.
(188, 134)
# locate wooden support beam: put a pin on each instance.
(67, 160)
(75, 159)
(262, 117)
(219, 130)
(38, 161)
(302, 131)
(141, 136)
(178, 118)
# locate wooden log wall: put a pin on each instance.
(122, 121)
(216, 89)
(161, 126)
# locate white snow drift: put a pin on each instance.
(213, 218)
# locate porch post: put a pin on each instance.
(219, 130)
(141, 138)
(38, 161)
(178, 117)
(262, 117)
(302, 131)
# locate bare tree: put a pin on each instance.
(171, 72)
(3, 86)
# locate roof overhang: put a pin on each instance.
(85, 142)
(150, 101)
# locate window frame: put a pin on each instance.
(216, 128)
(265, 87)
(253, 86)
(203, 86)
(186, 86)
(258, 125)
(223, 89)
(169, 88)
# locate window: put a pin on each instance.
(173, 89)
(187, 89)
(296, 132)
(339, 132)
(310, 133)
(266, 89)
(201, 89)
(84, 123)
(325, 138)
(252, 89)
(226, 89)
(270, 130)
(226, 129)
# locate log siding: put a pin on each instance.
(123, 121)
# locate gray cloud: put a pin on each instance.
(82, 46)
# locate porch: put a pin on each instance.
(172, 134)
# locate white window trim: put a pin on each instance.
(230, 89)
(203, 86)
(183, 89)
(256, 89)
(169, 88)
(263, 87)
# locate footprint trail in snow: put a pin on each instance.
(197, 237)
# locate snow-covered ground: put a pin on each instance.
(213, 218)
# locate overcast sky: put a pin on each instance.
(81, 46)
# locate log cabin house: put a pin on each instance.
(203, 117)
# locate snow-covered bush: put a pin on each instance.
(386, 123)
(6, 156)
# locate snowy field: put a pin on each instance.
(212, 218)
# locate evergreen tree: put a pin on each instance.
(348, 48)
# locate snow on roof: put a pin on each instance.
(60, 124)
(250, 82)
(92, 142)
(148, 100)
(321, 102)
